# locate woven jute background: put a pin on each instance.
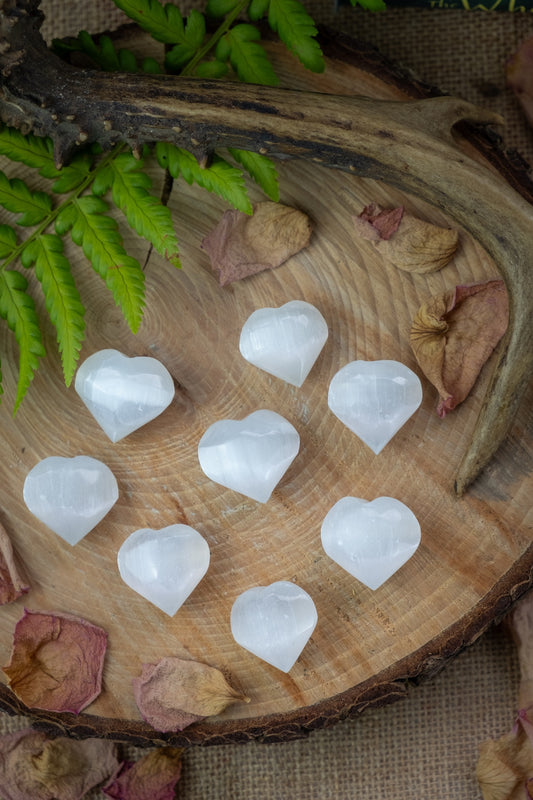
(426, 745)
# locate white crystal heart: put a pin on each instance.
(274, 622)
(123, 393)
(286, 341)
(164, 566)
(370, 540)
(251, 455)
(374, 399)
(70, 495)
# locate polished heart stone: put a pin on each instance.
(123, 393)
(274, 622)
(374, 399)
(70, 495)
(164, 566)
(286, 341)
(371, 540)
(251, 455)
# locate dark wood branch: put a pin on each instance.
(406, 144)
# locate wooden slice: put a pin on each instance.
(476, 554)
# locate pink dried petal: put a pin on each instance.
(34, 767)
(153, 777)
(57, 661)
(12, 585)
(384, 222)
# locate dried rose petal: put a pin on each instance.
(175, 693)
(12, 585)
(376, 223)
(33, 767)
(152, 777)
(242, 245)
(56, 661)
(454, 333)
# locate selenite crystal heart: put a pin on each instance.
(70, 495)
(374, 399)
(251, 455)
(274, 622)
(123, 393)
(370, 540)
(286, 341)
(164, 566)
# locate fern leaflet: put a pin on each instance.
(296, 29)
(164, 23)
(61, 296)
(18, 309)
(17, 198)
(261, 169)
(240, 46)
(97, 234)
(8, 240)
(145, 213)
(187, 47)
(219, 177)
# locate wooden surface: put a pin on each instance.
(476, 554)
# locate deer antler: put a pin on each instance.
(406, 144)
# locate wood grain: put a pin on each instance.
(476, 554)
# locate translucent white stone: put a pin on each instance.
(274, 622)
(370, 540)
(164, 566)
(374, 399)
(251, 455)
(70, 495)
(285, 341)
(123, 393)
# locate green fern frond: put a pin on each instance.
(15, 196)
(97, 234)
(18, 309)
(261, 169)
(163, 22)
(145, 213)
(219, 177)
(240, 46)
(296, 29)
(62, 299)
(104, 54)
(187, 47)
(8, 240)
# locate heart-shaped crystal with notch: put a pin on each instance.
(164, 566)
(251, 455)
(286, 341)
(123, 393)
(374, 399)
(370, 539)
(70, 495)
(274, 622)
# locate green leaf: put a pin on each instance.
(38, 153)
(296, 29)
(97, 234)
(257, 9)
(249, 60)
(370, 5)
(164, 23)
(261, 169)
(151, 66)
(219, 177)
(211, 69)
(62, 299)
(8, 240)
(16, 197)
(18, 309)
(219, 8)
(193, 38)
(145, 213)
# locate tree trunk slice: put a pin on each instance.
(476, 555)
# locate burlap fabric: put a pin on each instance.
(426, 745)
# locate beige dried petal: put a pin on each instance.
(406, 241)
(12, 585)
(504, 766)
(242, 245)
(175, 693)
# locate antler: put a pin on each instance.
(405, 144)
